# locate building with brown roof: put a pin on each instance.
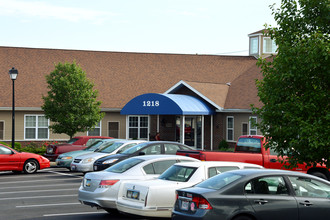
(226, 84)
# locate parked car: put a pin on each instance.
(84, 163)
(156, 198)
(255, 194)
(65, 160)
(152, 147)
(12, 160)
(100, 189)
(76, 143)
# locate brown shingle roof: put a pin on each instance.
(120, 76)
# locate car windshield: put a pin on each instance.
(112, 147)
(178, 173)
(134, 149)
(94, 146)
(72, 140)
(219, 181)
(124, 165)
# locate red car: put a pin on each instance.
(12, 160)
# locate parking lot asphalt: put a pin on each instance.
(48, 194)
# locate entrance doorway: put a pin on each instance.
(192, 134)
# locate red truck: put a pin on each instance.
(76, 143)
(250, 149)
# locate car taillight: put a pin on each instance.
(201, 202)
(107, 183)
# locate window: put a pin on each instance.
(171, 148)
(230, 128)
(138, 127)
(95, 131)
(254, 45)
(216, 170)
(36, 127)
(244, 128)
(4, 150)
(158, 167)
(267, 185)
(253, 127)
(307, 187)
(2, 131)
(153, 149)
(113, 129)
(269, 45)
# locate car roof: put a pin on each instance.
(219, 163)
(156, 156)
(130, 141)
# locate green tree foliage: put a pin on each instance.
(71, 102)
(295, 85)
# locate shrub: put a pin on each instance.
(224, 146)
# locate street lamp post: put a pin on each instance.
(13, 75)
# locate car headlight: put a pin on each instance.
(66, 158)
(109, 161)
(88, 160)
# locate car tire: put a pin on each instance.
(243, 217)
(30, 166)
(319, 174)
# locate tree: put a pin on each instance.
(71, 103)
(295, 85)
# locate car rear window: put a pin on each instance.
(72, 140)
(178, 173)
(124, 165)
(252, 145)
(219, 181)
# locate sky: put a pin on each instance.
(216, 27)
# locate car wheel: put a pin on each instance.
(243, 217)
(319, 174)
(30, 166)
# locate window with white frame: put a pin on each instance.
(253, 126)
(254, 45)
(230, 128)
(2, 130)
(96, 131)
(36, 127)
(269, 45)
(138, 127)
(113, 129)
(244, 128)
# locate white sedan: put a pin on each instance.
(156, 198)
(84, 163)
(100, 189)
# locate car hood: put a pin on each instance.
(93, 155)
(76, 153)
(114, 156)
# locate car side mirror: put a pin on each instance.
(142, 153)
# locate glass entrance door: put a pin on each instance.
(192, 130)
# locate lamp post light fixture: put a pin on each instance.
(13, 75)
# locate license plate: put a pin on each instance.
(95, 168)
(184, 205)
(132, 194)
(73, 168)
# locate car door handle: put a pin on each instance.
(306, 203)
(273, 160)
(260, 201)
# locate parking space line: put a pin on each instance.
(29, 181)
(77, 213)
(37, 197)
(66, 174)
(58, 204)
(46, 190)
(48, 185)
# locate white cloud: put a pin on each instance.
(45, 10)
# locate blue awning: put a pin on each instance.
(166, 104)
